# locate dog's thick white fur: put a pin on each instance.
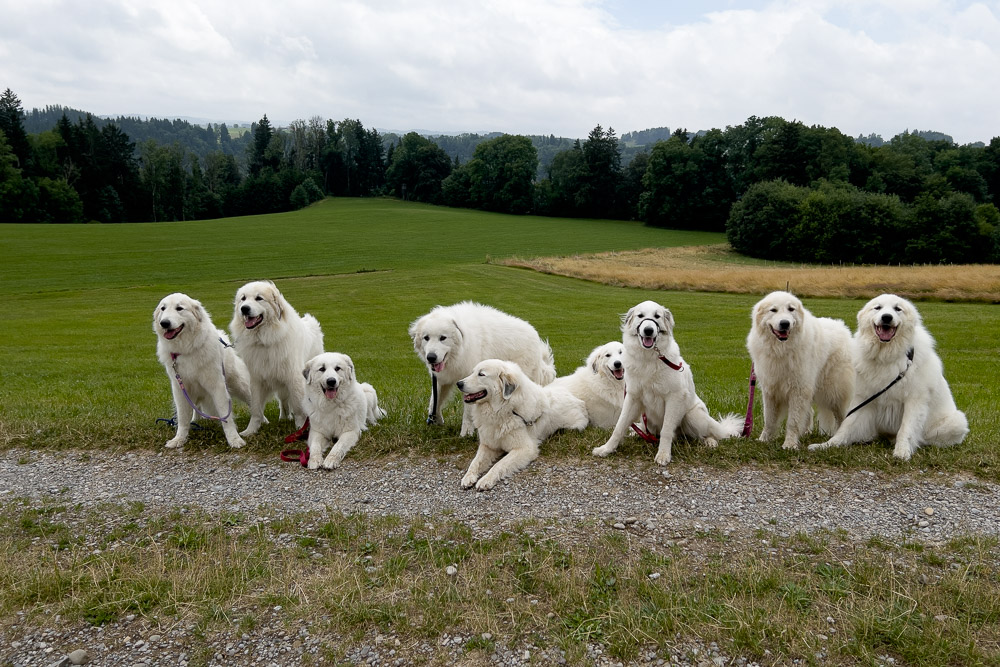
(189, 345)
(600, 384)
(917, 410)
(663, 392)
(339, 407)
(799, 360)
(451, 340)
(513, 415)
(275, 343)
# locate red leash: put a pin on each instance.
(748, 423)
(300, 455)
(644, 432)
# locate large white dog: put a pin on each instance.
(453, 339)
(275, 343)
(200, 363)
(600, 384)
(896, 364)
(799, 360)
(339, 407)
(513, 415)
(660, 388)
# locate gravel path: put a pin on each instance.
(656, 504)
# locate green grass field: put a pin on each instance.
(77, 351)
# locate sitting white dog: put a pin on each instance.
(600, 384)
(513, 415)
(660, 388)
(900, 389)
(274, 342)
(799, 359)
(200, 362)
(339, 407)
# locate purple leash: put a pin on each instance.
(173, 358)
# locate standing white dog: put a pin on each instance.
(275, 343)
(600, 384)
(660, 387)
(902, 375)
(513, 416)
(453, 339)
(339, 407)
(799, 359)
(201, 364)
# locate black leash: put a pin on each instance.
(909, 362)
(434, 399)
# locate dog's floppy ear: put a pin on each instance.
(594, 358)
(350, 367)
(305, 372)
(509, 382)
(668, 319)
(199, 310)
(277, 300)
(458, 329)
(627, 318)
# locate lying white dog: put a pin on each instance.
(453, 339)
(799, 360)
(202, 366)
(513, 416)
(599, 383)
(660, 388)
(339, 407)
(275, 343)
(899, 370)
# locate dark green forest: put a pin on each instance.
(778, 188)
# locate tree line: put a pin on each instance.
(778, 188)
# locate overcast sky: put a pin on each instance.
(519, 66)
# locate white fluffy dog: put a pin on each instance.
(600, 384)
(513, 416)
(275, 343)
(799, 360)
(339, 407)
(660, 387)
(892, 347)
(193, 350)
(453, 339)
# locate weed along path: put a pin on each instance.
(399, 528)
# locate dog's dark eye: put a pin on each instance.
(878, 307)
(322, 369)
(337, 369)
(656, 316)
(898, 309)
(163, 308)
(791, 309)
(427, 337)
(482, 374)
(774, 310)
(180, 308)
(243, 298)
(443, 338)
(260, 298)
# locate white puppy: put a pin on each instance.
(513, 416)
(660, 387)
(195, 353)
(453, 339)
(799, 360)
(339, 407)
(892, 347)
(600, 384)
(275, 343)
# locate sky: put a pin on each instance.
(557, 67)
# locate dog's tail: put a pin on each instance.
(730, 426)
(371, 398)
(547, 372)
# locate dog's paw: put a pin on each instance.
(237, 442)
(468, 480)
(246, 433)
(174, 443)
(710, 442)
(662, 458)
(902, 453)
(485, 484)
(467, 432)
(790, 444)
(313, 463)
(820, 445)
(333, 462)
(603, 450)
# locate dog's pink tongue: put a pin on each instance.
(330, 393)
(885, 334)
(438, 367)
(648, 342)
(251, 323)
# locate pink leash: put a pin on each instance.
(300, 455)
(748, 423)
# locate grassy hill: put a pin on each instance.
(77, 353)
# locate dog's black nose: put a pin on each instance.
(245, 310)
(616, 365)
(886, 318)
(648, 331)
(165, 324)
(784, 324)
(331, 383)
(432, 358)
(460, 385)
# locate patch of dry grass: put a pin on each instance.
(716, 268)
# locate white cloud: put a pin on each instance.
(528, 66)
